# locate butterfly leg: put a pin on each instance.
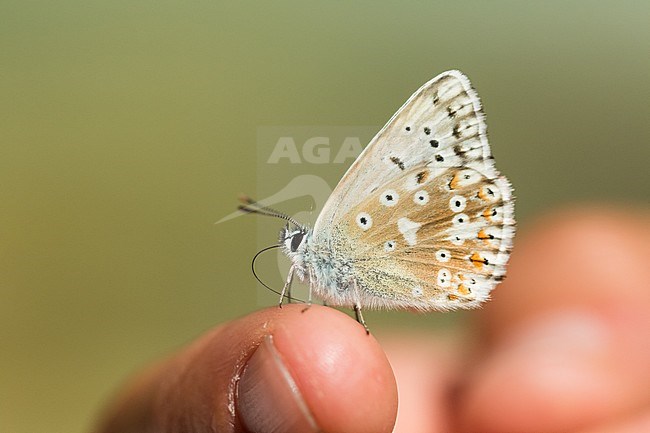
(289, 285)
(359, 316)
(310, 292)
(357, 309)
(286, 289)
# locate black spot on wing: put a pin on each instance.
(395, 160)
(460, 152)
(456, 131)
(477, 259)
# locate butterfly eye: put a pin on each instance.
(460, 219)
(389, 246)
(421, 197)
(389, 198)
(296, 240)
(443, 256)
(364, 221)
(457, 203)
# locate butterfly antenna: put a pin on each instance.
(251, 206)
(261, 282)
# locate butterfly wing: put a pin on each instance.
(423, 214)
(430, 242)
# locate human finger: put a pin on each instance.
(272, 371)
(568, 331)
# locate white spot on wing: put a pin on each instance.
(443, 256)
(468, 177)
(421, 197)
(460, 220)
(409, 230)
(444, 278)
(364, 220)
(457, 203)
(417, 291)
(457, 239)
(389, 198)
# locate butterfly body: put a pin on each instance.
(326, 264)
(422, 220)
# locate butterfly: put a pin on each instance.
(422, 220)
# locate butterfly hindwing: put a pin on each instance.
(423, 213)
(427, 243)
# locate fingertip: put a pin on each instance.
(584, 256)
(577, 276)
(273, 370)
(561, 372)
(341, 371)
(546, 378)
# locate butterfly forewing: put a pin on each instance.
(441, 125)
(424, 216)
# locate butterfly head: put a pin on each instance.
(294, 240)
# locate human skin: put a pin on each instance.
(564, 346)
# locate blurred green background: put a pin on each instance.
(129, 128)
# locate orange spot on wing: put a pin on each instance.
(452, 297)
(463, 290)
(422, 177)
(454, 182)
(484, 236)
(487, 213)
(477, 260)
(481, 194)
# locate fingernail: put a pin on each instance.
(268, 399)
